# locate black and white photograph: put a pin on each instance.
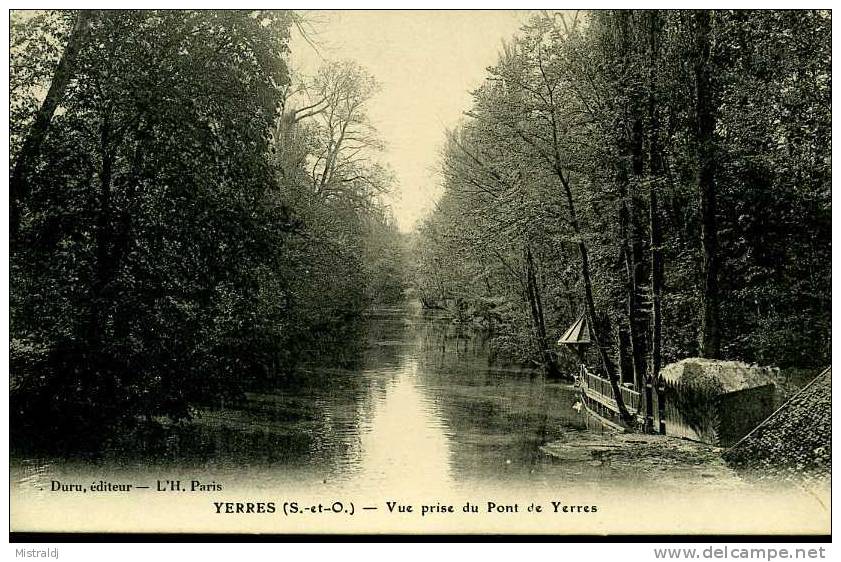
(294, 272)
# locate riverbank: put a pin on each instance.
(670, 461)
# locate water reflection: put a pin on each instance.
(416, 399)
(405, 440)
(414, 407)
(444, 414)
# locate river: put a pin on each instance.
(418, 399)
(418, 410)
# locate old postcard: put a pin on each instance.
(557, 272)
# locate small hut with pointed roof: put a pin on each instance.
(577, 337)
(578, 334)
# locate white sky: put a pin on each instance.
(427, 63)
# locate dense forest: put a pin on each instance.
(189, 216)
(664, 173)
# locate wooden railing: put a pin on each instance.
(602, 386)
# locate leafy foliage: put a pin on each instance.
(171, 253)
(609, 101)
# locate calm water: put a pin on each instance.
(418, 399)
(417, 412)
(422, 402)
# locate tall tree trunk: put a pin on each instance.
(632, 254)
(710, 344)
(657, 321)
(536, 305)
(626, 363)
(630, 145)
(656, 169)
(585, 274)
(31, 149)
(607, 365)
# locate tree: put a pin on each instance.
(706, 154)
(139, 284)
(30, 151)
(593, 143)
